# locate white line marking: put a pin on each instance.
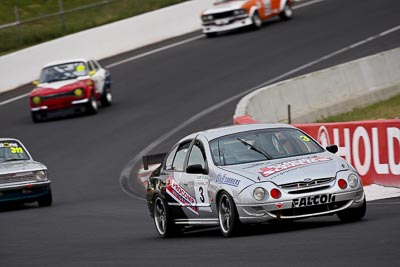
(307, 4)
(126, 172)
(385, 203)
(13, 99)
(154, 52)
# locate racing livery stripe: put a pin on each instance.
(267, 171)
(181, 195)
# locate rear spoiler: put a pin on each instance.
(153, 159)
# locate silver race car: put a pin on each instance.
(250, 174)
(21, 178)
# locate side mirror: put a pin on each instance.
(196, 169)
(332, 148)
(35, 83)
(92, 72)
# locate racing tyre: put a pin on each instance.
(354, 214)
(227, 215)
(163, 220)
(211, 34)
(92, 106)
(257, 22)
(106, 98)
(35, 117)
(286, 13)
(46, 200)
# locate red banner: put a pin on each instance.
(372, 147)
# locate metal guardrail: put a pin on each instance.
(60, 13)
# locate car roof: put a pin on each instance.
(7, 139)
(226, 130)
(66, 61)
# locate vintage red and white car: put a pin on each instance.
(68, 87)
(232, 14)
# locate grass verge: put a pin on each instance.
(38, 31)
(389, 109)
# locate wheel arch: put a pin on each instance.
(283, 4)
(253, 10)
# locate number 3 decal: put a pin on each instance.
(201, 194)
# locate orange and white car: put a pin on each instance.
(232, 14)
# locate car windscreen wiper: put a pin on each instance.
(254, 148)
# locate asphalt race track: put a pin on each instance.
(98, 221)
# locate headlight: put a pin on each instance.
(259, 193)
(207, 17)
(78, 92)
(41, 176)
(239, 12)
(36, 100)
(352, 180)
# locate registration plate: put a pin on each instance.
(222, 21)
(313, 200)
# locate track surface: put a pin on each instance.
(93, 223)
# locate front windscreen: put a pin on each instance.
(62, 72)
(260, 145)
(11, 150)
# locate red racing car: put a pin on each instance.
(69, 87)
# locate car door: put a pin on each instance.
(178, 197)
(197, 184)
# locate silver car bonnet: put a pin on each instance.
(290, 170)
(20, 166)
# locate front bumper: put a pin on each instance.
(221, 25)
(74, 107)
(25, 192)
(258, 213)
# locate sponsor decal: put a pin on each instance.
(202, 180)
(304, 138)
(267, 171)
(223, 179)
(313, 200)
(181, 195)
(14, 147)
(8, 145)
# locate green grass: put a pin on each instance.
(389, 109)
(32, 33)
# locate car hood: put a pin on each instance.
(20, 166)
(58, 87)
(290, 170)
(223, 7)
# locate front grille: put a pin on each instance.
(311, 209)
(14, 178)
(223, 15)
(66, 94)
(309, 190)
(303, 184)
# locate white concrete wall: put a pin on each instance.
(327, 92)
(24, 66)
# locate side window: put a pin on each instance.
(90, 66)
(96, 65)
(170, 159)
(180, 156)
(197, 155)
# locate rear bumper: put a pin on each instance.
(27, 192)
(286, 211)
